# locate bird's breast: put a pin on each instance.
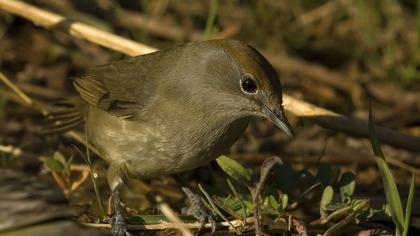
(203, 144)
(161, 146)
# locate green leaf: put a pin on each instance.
(391, 190)
(357, 208)
(333, 206)
(236, 194)
(70, 161)
(338, 226)
(215, 208)
(273, 202)
(327, 197)
(59, 157)
(54, 165)
(359, 204)
(409, 205)
(382, 214)
(347, 185)
(284, 200)
(67, 167)
(235, 170)
(230, 205)
(338, 214)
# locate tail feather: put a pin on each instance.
(65, 115)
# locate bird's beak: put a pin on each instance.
(278, 117)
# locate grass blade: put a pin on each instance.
(92, 174)
(409, 205)
(209, 30)
(216, 209)
(391, 190)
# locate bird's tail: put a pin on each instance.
(64, 115)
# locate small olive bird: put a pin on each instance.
(173, 110)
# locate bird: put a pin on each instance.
(172, 110)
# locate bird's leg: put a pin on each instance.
(197, 209)
(119, 226)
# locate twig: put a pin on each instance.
(266, 168)
(331, 120)
(15, 89)
(324, 117)
(215, 208)
(14, 151)
(232, 188)
(27, 101)
(257, 159)
(168, 225)
(78, 137)
(172, 216)
(50, 21)
(37, 105)
(84, 174)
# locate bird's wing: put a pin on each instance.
(123, 88)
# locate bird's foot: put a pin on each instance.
(119, 226)
(197, 209)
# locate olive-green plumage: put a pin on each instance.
(176, 109)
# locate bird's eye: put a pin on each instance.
(249, 85)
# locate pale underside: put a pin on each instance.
(152, 147)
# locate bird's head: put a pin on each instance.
(245, 81)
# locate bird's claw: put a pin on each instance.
(197, 209)
(119, 226)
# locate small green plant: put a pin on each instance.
(343, 212)
(252, 195)
(62, 170)
(261, 199)
(290, 189)
(401, 221)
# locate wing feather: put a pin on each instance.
(122, 88)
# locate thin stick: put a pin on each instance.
(172, 216)
(50, 20)
(78, 137)
(331, 120)
(326, 118)
(232, 188)
(168, 225)
(14, 151)
(15, 89)
(84, 174)
(215, 208)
